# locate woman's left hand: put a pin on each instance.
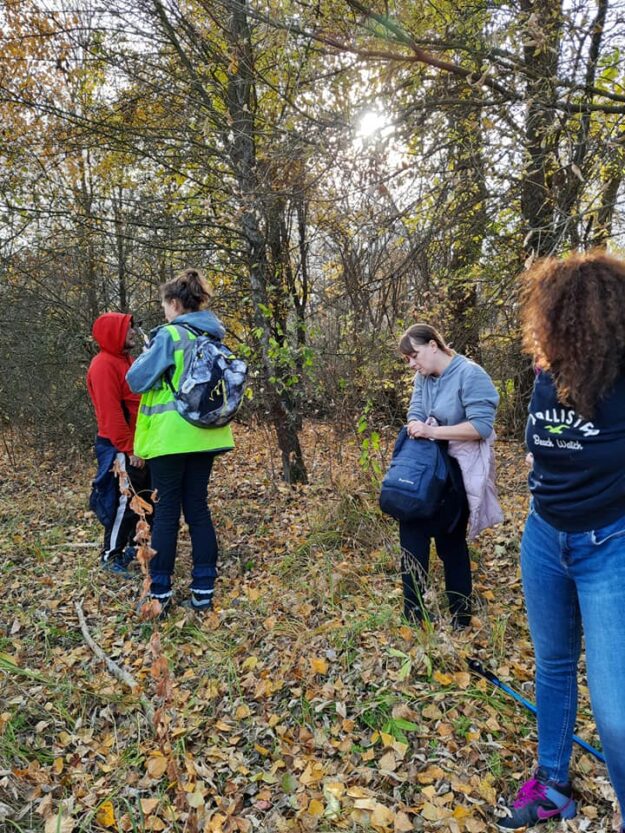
(419, 430)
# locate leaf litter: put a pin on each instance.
(301, 703)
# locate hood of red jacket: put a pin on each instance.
(110, 331)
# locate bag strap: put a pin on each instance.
(456, 485)
(168, 376)
(196, 331)
(169, 373)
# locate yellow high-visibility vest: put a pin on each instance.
(160, 428)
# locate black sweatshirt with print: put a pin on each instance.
(578, 476)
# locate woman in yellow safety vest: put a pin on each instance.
(180, 455)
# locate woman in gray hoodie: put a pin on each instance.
(453, 399)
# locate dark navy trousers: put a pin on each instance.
(181, 481)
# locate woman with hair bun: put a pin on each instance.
(573, 546)
(453, 399)
(180, 455)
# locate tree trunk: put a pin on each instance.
(118, 218)
(541, 48)
(241, 105)
(470, 193)
(612, 179)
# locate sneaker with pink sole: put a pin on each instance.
(539, 800)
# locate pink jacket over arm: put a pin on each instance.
(477, 464)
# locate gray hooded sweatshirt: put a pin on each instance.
(464, 392)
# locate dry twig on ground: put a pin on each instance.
(113, 668)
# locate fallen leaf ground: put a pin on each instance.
(301, 703)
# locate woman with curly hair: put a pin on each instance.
(573, 547)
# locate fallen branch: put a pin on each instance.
(113, 668)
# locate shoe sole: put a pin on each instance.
(512, 829)
(537, 823)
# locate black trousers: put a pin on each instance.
(121, 532)
(448, 528)
(182, 482)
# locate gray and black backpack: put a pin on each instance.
(211, 387)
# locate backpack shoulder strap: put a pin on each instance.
(196, 331)
(174, 332)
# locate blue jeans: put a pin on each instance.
(182, 482)
(575, 580)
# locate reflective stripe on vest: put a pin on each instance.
(158, 409)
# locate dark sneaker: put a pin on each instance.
(128, 557)
(114, 565)
(460, 623)
(538, 801)
(418, 616)
(201, 604)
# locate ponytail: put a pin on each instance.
(422, 334)
(189, 288)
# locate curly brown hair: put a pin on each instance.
(573, 318)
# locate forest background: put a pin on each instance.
(338, 170)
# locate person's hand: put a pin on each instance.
(419, 430)
(137, 462)
(529, 460)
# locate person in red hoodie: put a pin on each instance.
(116, 409)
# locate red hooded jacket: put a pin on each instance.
(115, 404)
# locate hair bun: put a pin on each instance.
(189, 288)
